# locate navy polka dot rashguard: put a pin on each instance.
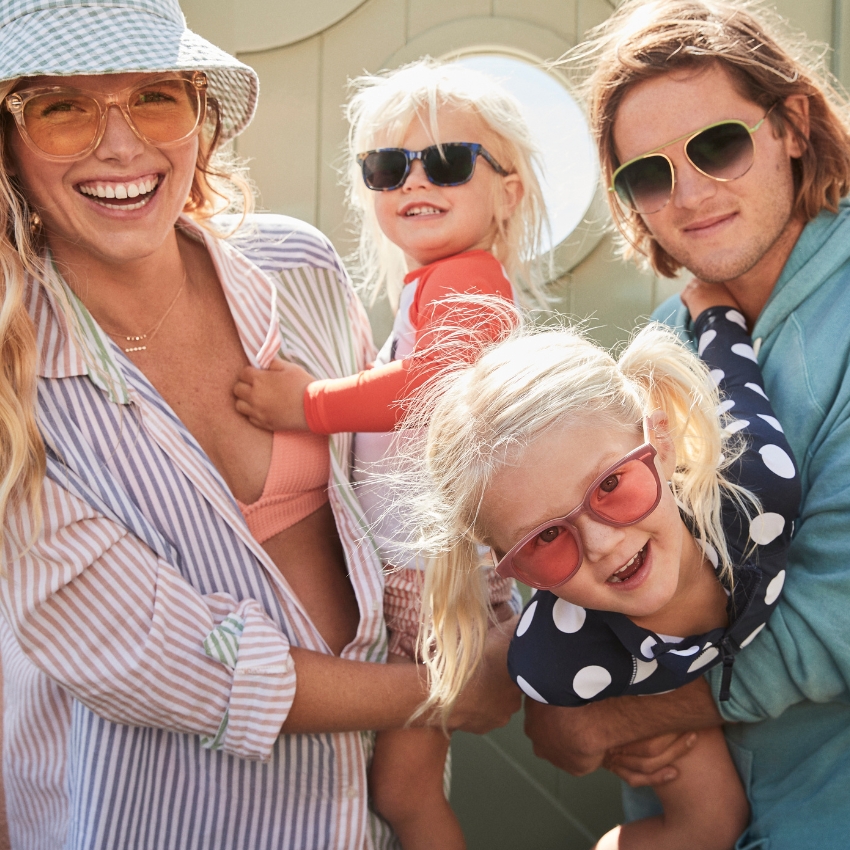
(566, 655)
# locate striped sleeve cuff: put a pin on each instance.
(247, 642)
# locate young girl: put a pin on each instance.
(441, 174)
(656, 537)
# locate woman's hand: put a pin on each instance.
(698, 296)
(491, 698)
(273, 398)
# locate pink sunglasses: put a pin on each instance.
(624, 494)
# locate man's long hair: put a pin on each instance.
(766, 63)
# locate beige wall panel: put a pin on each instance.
(530, 40)
(556, 15)
(282, 142)
(842, 43)
(361, 42)
(266, 24)
(613, 296)
(214, 20)
(591, 13)
(813, 17)
(424, 14)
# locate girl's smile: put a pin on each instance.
(642, 570)
(430, 222)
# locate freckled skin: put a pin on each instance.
(739, 232)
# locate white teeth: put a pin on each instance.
(121, 191)
(422, 211)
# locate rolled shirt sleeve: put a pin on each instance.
(102, 615)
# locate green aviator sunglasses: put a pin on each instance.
(723, 151)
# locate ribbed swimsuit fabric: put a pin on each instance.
(296, 484)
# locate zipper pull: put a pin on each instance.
(728, 660)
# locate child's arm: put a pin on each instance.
(766, 465)
(273, 398)
(370, 400)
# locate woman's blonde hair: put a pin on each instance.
(218, 184)
(483, 417)
(766, 62)
(381, 111)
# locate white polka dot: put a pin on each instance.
(647, 646)
(689, 651)
(670, 638)
(705, 341)
(736, 425)
(568, 618)
(589, 681)
(748, 640)
(706, 658)
(643, 670)
(717, 375)
(756, 389)
(774, 588)
(737, 318)
(527, 689)
(771, 421)
(710, 553)
(777, 460)
(766, 527)
(744, 350)
(726, 405)
(527, 617)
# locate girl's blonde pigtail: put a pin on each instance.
(681, 386)
(454, 623)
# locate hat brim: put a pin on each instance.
(92, 40)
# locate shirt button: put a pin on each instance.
(351, 792)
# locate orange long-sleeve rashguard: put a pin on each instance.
(370, 400)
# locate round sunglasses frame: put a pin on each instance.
(646, 454)
(16, 104)
(475, 148)
(687, 138)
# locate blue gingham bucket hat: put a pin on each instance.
(65, 37)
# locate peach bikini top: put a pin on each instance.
(296, 484)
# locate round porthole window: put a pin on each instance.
(570, 172)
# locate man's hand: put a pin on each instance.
(649, 762)
(698, 296)
(273, 398)
(579, 740)
(491, 698)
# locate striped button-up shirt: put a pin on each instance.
(146, 642)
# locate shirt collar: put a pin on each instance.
(72, 344)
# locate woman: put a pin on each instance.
(153, 649)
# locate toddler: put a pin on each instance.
(655, 533)
(441, 175)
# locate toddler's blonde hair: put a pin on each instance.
(381, 111)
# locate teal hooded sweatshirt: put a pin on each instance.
(790, 697)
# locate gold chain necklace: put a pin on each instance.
(150, 334)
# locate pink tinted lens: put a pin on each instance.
(549, 558)
(627, 494)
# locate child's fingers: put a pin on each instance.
(242, 390)
(248, 373)
(642, 780)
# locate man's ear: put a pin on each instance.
(659, 433)
(797, 106)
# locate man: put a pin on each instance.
(730, 158)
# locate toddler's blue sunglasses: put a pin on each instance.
(451, 164)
